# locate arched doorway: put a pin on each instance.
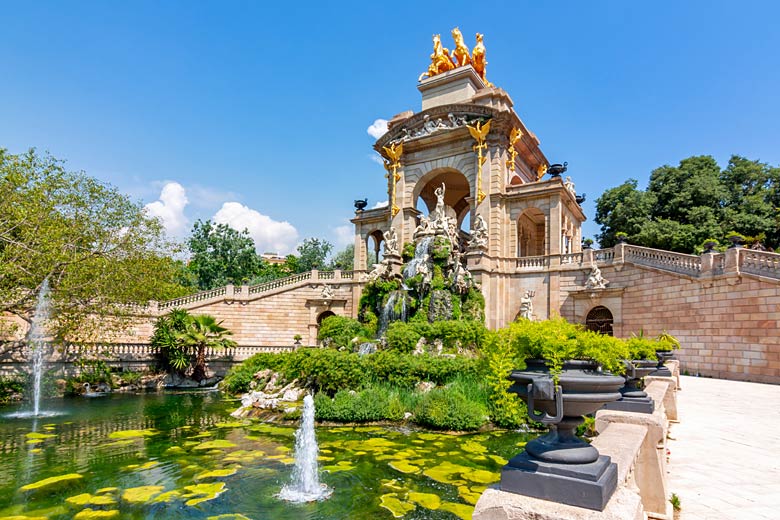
(323, 315)
(374, 242)
(599, 320)
(531, 233)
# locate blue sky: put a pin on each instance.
(260, 113)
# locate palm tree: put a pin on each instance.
(200, 333)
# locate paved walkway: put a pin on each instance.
(725, 452)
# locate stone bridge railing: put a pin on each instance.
(636, 442)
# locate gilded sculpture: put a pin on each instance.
(514, 136)
(540, 171)
(479, 132)
(460, 55)
(440, 59)
(478, 60)
(392, 164)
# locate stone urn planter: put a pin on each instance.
(633, 398)
(558, 466)
(660, 369)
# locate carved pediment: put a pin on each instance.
(437, 119)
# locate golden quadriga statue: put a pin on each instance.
(443, 61)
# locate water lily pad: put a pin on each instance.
(398, 508)
(132, 434)
(85, 499)
(34, 441)
(52, 482)
(427, 500)
(145, 465)
(122, 442)
(41, 436)
(501, 461)
(403, 466)
(95, 514)
(344, 465)
(234, 424)
(482, 476)
(167, 497)
(392, 484)
(24, 517)
(216, 473)
(460, 510)
(175, 450)
(106, 490)
(231, 516)
(468, 495)
(36, 450)
(473, 447)
(217, 444)
(244, 456)
(141, 494)
(446, 473)
(203, 492)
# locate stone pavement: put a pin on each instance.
(725, 452)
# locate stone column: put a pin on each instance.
(732, 261)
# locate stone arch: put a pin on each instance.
(374, 241)
(599, 319)
(323, 315)
(531, 233)
(456, 196)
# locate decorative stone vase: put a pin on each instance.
(557, 169)
(709, 247)
(736, 241)
(559, 466)
(660, 369)
(634, 399)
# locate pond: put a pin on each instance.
(181, 455)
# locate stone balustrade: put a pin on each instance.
(636, 443)
(760, 263)
(668, 260)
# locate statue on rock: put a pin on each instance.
(479, 234)
(595, 280)
(527, 305)
(391, 242)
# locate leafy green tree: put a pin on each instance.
(99, 250)
(687, 204)
(344, 259)
(312, 254)
(220, 255)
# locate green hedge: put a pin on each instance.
(329, 370)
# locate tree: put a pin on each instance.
(200, 333)
(221, 255)
(99, 250)
(172, 355)
(685, 205)
(344, 259)
(313, 253)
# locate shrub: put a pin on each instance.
(449, 409)
(10, 388)
(401, 337)
(339, 331)
(506, 410)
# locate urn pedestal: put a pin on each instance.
(661, 370)
(634, 399)
(558, 466)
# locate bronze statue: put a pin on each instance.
(440, 60)
(460, 55)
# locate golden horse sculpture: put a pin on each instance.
(460, 55)
(440, 59)
(478, 60)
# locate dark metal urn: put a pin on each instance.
(660, 369)
(557, 169)
(633, 398)
(360, 205)
(559, 466)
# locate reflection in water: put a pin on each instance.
(201, 462)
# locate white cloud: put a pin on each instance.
(377, 159)
(343, 236)
(170, 208)
(381, 204)
(269, 235)
(378, 128)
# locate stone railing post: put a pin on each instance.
(244, 292)
(230, 292)
(315, 274)
(732, 261)
(587, 257)
(337, 274)
(707, 263)
(619, 253)
(154, 308)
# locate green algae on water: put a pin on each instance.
(52, 482)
